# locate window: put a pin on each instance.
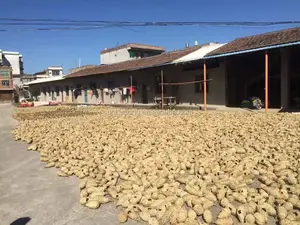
(4, 73)
(5, 83)
(199, 87)
(131, 54)
(158, 85)
(49, 91)
(139, 54)
(55, 72)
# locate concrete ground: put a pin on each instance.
(33, 195)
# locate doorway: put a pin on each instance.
(294, 92)
(144, 94)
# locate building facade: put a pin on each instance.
(15, 61)
(51, 71)
(264, 66)
(26, 78)
(6, 84)
(109, 86)
(128, 52)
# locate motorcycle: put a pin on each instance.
(253, 103)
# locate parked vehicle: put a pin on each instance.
(252, 103)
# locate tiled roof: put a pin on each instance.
(73, 70)
(259, 41)
(41, 72)
(135, 63)
(44, 80)
(138, 46)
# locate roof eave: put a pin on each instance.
(252, 50)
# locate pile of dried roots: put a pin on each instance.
(174, 167)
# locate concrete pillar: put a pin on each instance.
(285, 87)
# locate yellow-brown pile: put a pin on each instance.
(174, 167)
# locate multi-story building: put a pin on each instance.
(6, 84)
(27, 78)
(15, 61)
(128, 52)
(51, 71)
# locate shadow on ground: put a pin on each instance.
(21, 221)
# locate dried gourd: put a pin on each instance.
(224, 213)
(161, 175)
(93, 204)
(123, 217)
(182, 215)
(224, 221)
(207, 216)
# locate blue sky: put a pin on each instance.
(44, 48)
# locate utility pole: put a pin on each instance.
(131, 92)
(205, 86)
(162, 89)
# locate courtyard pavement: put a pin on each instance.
(33, 195)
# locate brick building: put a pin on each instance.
(6, 84)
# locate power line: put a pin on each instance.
(59, 20)
(56, 28)
(187, 82)
(155, 22)
(99, 24)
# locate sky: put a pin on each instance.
(41, 49)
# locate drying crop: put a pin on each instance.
(174, 167)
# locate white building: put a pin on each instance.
(129, 52)
(15, 61)
(51, 71)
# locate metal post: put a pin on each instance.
(162, 89)
(266, 82)
(131, 92)
(204, 85)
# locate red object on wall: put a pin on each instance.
(131, 90)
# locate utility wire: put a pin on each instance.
(153, 22)
(188, 82)
(94, 24)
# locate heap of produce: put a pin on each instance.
(174, 167)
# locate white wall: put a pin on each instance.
(17, 81)
(185, 93)
(200, 53)
(216, 94)
(14, 60)
(51, 69)
(119, 55)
